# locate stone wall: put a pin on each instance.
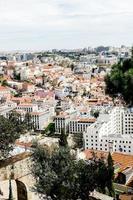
(19, 167)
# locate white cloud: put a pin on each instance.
(64, 23)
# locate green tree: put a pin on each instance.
(95, 113)
(119, 82)
(104, 174)
(8, 135)
(63, 139)
(16, 121)
(110, 168)
(101, 173)
(28, 122)
(52, 172)
(78, 140)
(49, 130)
(11, 128)
(86, 180)
(61, 177)
(16, 76)
(72, 66)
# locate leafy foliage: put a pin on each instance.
(95, 113)
(8, 134)
(78, 140)
(61, 177)
(110, 168)
(28, 123)
(49, 130)
(16, 76)
(10, 129)
(63, 139)
(120, 81)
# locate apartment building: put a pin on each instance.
(62, 120)
(28, 107)
(6, 107)
(4, 92)
(41, 117)
(111, 132)
(79, 124)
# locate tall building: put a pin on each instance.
(111, 132)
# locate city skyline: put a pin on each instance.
(43, 24)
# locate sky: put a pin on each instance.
(65, 24)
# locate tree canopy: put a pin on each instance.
(120, 81)
(11, 128)
(9, 132)
(61, 177)
(63, 139)
(78, 140)
(49, 130)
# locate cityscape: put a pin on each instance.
(66, 100)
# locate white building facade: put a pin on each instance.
(114, 132)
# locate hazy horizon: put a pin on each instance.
(64, 24)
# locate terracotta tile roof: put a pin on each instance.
(23, 144)
(124, 160)
(87, 120)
